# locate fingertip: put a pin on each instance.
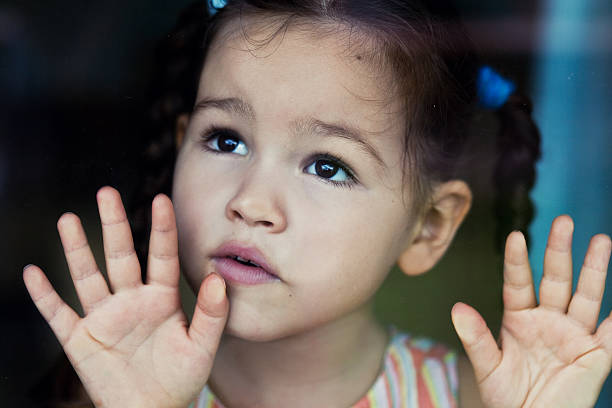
(212, 297)
(65, 218)
(158, 199)
(468, 323)
(105, 192)
(162, 213)
(462, 311)
(598, 254)
(602, 240)
(459, 307)
(28, 272)
(515, 238)
(517, 235)
(161, 196)
(564, 222)
(460, 319)
(561, 232)
(516, 249)
(215, 288)
(34, 280)
(160, 202)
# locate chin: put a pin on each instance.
(260, 330)
(251, 330)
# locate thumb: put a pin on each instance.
(210, 314)
(477, 340)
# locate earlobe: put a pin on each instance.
(182, 121)
(450, 204)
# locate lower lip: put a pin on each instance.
(235, 272)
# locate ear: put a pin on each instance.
(450, 203)
(182, 121)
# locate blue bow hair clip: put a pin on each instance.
(215, 5)
(493, 90)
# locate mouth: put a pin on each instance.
(243, 265)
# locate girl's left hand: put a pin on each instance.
(551, 354)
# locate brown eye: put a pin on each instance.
(223, 141)
(227, 143)
(325, 168)
(331, 170)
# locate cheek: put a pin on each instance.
(350, 248)
(354, 226)
(198, 191)
(198, 212)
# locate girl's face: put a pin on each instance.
(304, 167)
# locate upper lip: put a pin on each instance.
(233, 249)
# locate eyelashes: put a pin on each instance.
(222, 140)
(331, 169)
(325, 166)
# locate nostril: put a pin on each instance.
(238, 216)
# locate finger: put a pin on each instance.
(121, 261)
(163, 262)
(477, 340)
(556, 284)
(88, 280)
(58, 314)
(599, 359)
(586, 302)
(210, 314)
(518, 292)
(604, 334)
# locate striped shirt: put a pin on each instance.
(417, 373)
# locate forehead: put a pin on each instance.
(301, 72)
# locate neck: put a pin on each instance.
(331, 365)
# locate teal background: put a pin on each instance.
(573, 99)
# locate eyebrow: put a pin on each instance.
(307, 124)
(232, 105)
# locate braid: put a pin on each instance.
(519, 149)
(174, 84)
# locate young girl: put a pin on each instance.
(319, 147)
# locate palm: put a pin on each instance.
(133, 347)
(141, 338)
(543, 351)
(550, 353)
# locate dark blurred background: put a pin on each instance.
(73, 96)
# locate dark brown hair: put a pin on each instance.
(434, 69)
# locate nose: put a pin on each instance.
(257, 204)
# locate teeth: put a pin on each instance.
(243, 260)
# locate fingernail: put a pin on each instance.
(27, 266)
(215, 289)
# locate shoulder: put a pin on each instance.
(424, 369)
(442, 369)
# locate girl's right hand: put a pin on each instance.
(134, 347)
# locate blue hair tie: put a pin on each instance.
(215, 5)
(493, 90)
